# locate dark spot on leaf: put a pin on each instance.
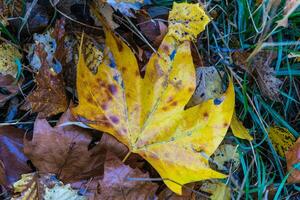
(119, 45)
(225, 124)
(174, 103)
(114, 119)
(104, 106)
(112, 88)
(123, 69)
(90, 99)
(191, 89)
(173, 54)
(218, 101)
(205, 115)
(170, 99)
(165, 108)
(107, 124)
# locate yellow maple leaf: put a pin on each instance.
(147, 114)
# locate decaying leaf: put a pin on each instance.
(226, 158)
(43, 186)
(267, 81)
(93, 54)
(147, 114)
(217, 189)
(117, 185)
(64, 150)
(12, 159)
(49, 98)
(281, 139)
(238, 129)
(9, 57)
(292, 158)
(209, 85)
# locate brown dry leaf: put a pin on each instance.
(267, 81)
(260, 65)
(187, 194)
(12, 159)
(152, 29)
(49, 98)
(292, 157)
(116, 185)
(64, 150)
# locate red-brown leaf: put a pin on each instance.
(64, 150)
(115, 184)
(49, 98)
(292, 157)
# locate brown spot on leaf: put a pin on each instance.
(119, 44)
(123, 69)
(90, 99)
(165, 48)
(205, 115)
(191, 89)
(165, 108)
(170, 99)
(225, 124)
(107, 124)
(174, 103)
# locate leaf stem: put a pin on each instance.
(127, 155)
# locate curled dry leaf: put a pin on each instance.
(12, 159)
(281, 139)
(238, 129)
(292, 158)
(43, 186)
(49, 98)
(154, 30)
(116, 184)
(147, 114)
(64, 150)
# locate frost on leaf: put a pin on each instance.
(147, 114)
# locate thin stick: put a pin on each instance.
(127, 155)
